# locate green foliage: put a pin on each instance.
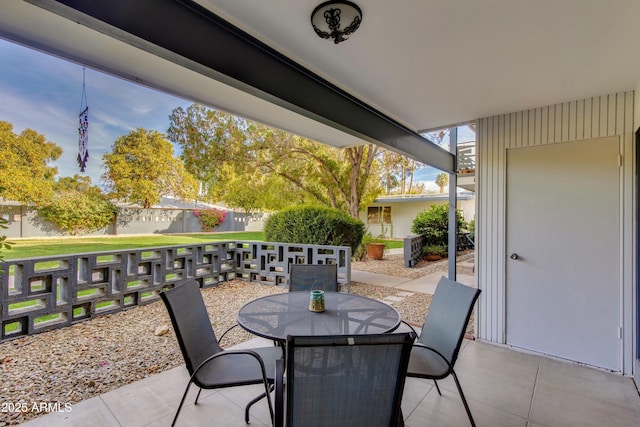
(210, 218)
(24, 172)
(314, 225)
(4, 244)
(442, 180)
(59, 246)
(397, 172)
(471, 226)
(78, 207)
(227, 153)
(434, 224)
(141, 169)
(440, 250)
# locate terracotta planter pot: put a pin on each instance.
(433, 257)
(375, 250)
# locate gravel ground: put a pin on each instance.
(393, 265)
(90, 358)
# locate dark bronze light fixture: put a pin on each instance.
(336, 20)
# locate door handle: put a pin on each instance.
(514, 256)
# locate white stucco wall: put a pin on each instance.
(404, 211)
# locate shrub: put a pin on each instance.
(4, 244)
(433, 224)
(435, 250)
(472, 228)
(315, 226)
(210, 218)
(77, 212)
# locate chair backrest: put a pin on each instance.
(447, 317)
(353, 380)
(191, 323)
(307, 277)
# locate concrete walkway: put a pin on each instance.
(425, 284)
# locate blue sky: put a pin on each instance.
(44, 93)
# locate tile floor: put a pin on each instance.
(503, 387)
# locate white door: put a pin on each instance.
(563, 251)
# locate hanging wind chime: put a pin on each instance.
(83, 130)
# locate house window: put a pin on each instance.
(379, 215)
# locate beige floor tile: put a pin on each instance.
(240, 396)
(570, 395)
(447, 411)
(152, 398)
(215, 410)
(503, 388)
(589, 382)
(495, 376)
(91, 412)
(415, 389)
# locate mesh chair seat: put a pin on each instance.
(427, 364)
(237, 369)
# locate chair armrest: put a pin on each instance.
(225, 333)
(275, 343)
(419, 344)
(410, 327)
(279, 394)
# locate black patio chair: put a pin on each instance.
(435, 352)
(210, 366)
(308, 277)
(342, 380)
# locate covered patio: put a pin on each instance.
(551, 88)
(503, 387)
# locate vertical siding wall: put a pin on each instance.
(603, 116)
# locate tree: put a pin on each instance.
(320, 174)
(141, 169)
(4, 244)
(25, 175)
(206, 136)
(251, 165)
(392, 165)
(398, 172)
(78, 207)
(442, 180)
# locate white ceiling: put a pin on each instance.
(425, 63)
(430, 63)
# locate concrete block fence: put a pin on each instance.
(40, 294)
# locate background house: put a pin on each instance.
(392, 216)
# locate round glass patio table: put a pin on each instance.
(276, 316)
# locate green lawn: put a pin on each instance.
(49, 247)
(59, 246)
(391, 244)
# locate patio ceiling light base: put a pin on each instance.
(336, 20)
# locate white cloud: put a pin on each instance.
(44, 93)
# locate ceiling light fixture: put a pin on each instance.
(329, 17)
